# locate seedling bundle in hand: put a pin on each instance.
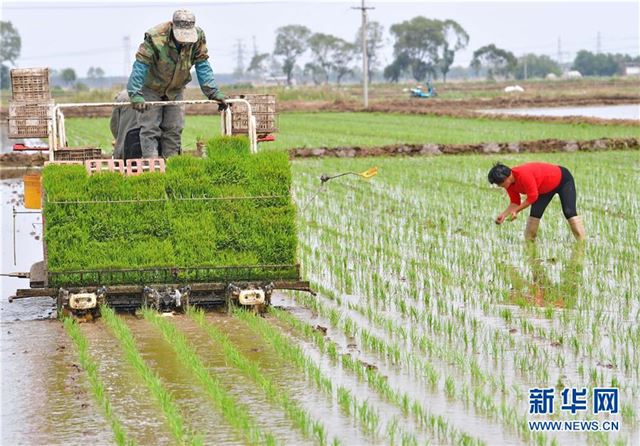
(232, 208)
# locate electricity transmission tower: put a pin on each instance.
(240, 57)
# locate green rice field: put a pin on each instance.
(367, 129)
(460, 317)
(431, 325)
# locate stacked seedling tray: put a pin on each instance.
(30, 107)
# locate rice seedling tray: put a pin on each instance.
(30, 84)
(77, 154)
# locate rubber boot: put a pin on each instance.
(531, 230)
(575, 223)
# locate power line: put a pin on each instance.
(122, 5)
(75, 53)
(89, 52)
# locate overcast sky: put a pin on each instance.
(84, 34)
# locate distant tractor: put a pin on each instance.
(423, 92)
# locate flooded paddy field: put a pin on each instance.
(430, 326)
(626, 111)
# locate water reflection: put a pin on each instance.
(541, 290)
(626, 111)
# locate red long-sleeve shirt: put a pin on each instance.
(533, 179)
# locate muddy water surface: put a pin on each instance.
(44, 393)
(198, 412)
(45, 399)
(627, 111)
(130, 400)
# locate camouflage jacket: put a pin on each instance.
(169, 68)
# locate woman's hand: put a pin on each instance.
(511, 211)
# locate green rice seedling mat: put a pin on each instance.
(230, 209)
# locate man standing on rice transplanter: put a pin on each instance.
(160, 73)
(540, 182)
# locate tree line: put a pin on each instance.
(423, 49)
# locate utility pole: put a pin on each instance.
(255, 47)
(598, 44)
(365, 61)
(126, 41)
(524, 62)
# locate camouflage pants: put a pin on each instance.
(161, 127)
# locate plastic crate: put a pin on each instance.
(259, 107)
(79, 154)
(29, 110)
(28, 128)
(30, 84)
(260, 103)
(265, 123)
(263, 108)
(141, 165)
(104, 165)
(64, 163)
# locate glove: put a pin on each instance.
(220, 99)
(138, 104)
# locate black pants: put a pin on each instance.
(567, 192)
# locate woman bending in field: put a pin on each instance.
(540, 182)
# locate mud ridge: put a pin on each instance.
(539, 146)
(22, 159)
(12, 164)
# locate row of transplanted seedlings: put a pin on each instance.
(163, 397)
(228, 405)
(276, 394)
(432, 267)
(395, 351)
(361, 410)
(364, 411)
(403, 398)
(96, 384)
